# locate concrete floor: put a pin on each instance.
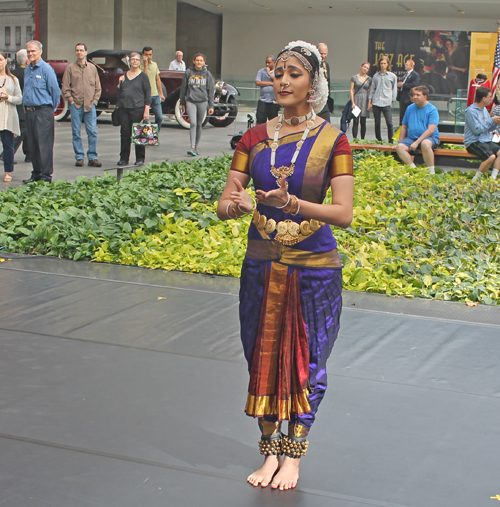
(174, 142)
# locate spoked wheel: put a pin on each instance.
(183, 118)
(228, 117)
(62, 110)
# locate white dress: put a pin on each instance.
(8, 111)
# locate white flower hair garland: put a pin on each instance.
(321, 89)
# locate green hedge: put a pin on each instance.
(413, 234)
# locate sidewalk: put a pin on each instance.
(174, 142)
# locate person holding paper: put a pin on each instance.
(360, 88)
(419, 130)
(478, 133)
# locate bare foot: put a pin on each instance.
(265, 473)
(288, 474)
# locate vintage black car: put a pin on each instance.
(112, 63)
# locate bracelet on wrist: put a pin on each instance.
(286, 204)
(293, 206)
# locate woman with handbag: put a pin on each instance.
(291, 279)
(134, 99)
(360, 88)
(10, 96)
(198, 92)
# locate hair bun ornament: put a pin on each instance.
(320, 92)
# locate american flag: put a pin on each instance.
(496, 67)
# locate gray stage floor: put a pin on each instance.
(125, 387)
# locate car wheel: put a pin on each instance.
(62, 110)
(227, 118)
(182, 118)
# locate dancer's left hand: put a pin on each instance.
(276, 198)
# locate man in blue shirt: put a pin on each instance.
(419, 130)
(41, 96)
(478, 133)
(266, 108)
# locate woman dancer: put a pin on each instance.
(360, 88)
(291, 280)
(198, 92)
(10, 95)
(134, 100)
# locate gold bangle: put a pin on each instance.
(293, 206)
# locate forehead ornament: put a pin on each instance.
(286, 55)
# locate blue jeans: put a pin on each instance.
(8, 150)
(156, 110)
(90, 119)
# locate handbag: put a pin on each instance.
(145, 134)
(115, 117)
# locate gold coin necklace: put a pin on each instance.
(284, 170)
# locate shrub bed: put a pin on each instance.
(412, 234)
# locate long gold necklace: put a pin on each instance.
(285, 170)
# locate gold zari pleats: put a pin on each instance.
(258, 406)
(288, 232)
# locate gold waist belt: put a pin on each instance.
(274, 251)
(288, 232)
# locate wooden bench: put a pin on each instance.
(451, 138)
(443, 152)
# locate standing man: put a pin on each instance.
(419, 130)
(382, 93)
(409, 81)
(478, 133)
(81, 87)
(178, 63)
(40, 98)
(266, 108)
(153, 72)
(323, 51)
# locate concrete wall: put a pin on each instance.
(62, 24)
(199, 31)
(244, 51)
(149, 23)
(108, 24)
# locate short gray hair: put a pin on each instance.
(36, 43)
(21, 57)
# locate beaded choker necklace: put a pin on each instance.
(284, 170)
(297, 120)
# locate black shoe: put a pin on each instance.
(27, 159)
(139, 162)
(122, 162)
(79, 162)
(95, 163)
(30, 180)
(14, 162)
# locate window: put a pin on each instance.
(18, 35)
(7, 35)
(29, 34)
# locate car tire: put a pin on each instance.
(62, 110)
(183, 119)
(229, 117)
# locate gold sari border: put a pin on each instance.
(274, 251)
(240, 162)
(259, 406)
(290, 138)
(342, 164)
